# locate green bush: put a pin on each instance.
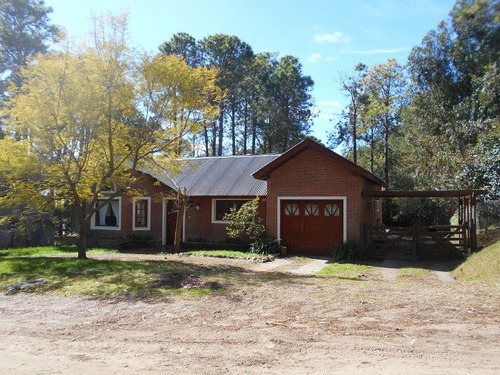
(245, 223)
(351, 250)
(265, 246)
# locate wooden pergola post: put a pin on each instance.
(473, 219)
(467, 213)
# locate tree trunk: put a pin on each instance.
(354, 138)
(181, 209)
(214, 139)
(82, 240)
(254, 135)
(245, 130)
(205, 134)
(386, 154)
(233, 130)
(221, 133)
(82, 231)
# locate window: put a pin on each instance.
(332, 210)
(312, 209)
(292, 209)
(221, 207)
(142, 213)
(108, 216)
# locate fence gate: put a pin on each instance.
(420, 241)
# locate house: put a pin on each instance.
(310, 197)
(30, 229)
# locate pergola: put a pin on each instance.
(464, 234)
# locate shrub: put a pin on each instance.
(351, 250)
(245, 223)
(265, 246)
(137, 242)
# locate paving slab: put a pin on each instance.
(311, 267)
(445, 276)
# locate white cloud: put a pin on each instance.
(314, 58)
(330, 109)
(331, 58)
(335, 37)
(328, 116)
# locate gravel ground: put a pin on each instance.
(377, 323)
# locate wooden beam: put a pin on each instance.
(422, 193)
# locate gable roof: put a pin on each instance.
(306, 144)
(220, 176)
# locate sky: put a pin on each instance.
(329, 37)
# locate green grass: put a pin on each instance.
(105, 278)
(413, 272)
(49, 251)
(483, 266)
(345, 270)
(223, 253)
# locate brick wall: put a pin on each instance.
(312, 173)
(144, 187)
(199, 226)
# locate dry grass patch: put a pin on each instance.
(482, 266)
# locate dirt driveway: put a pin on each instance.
(275, 322)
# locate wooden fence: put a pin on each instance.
(420, 241)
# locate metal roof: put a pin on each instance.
(220, 176)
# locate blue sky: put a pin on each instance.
(328, 36)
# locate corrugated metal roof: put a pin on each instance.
(221, 176)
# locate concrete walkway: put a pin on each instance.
(271, 266)
(445, 276)
(311, 267)
(390, 269)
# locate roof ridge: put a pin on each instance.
(227, 156)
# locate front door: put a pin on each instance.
(171, 221)
(311, 227)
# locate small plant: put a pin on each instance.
(265, 246)
(245, 223)
(351, 250)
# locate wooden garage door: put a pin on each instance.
(311, 227)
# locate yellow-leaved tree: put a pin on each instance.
(91, 117)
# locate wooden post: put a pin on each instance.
(473, 237)
(473, 220)
(414, 243)
(465, 239)
(181, 209)
(460, 211)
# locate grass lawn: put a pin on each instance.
(414, 272)
(110, 278)
(482, 266)
(345, 270)
(223, 253)
(50, 251)
(63, 274)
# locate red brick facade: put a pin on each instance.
(308, 171)
(312, 173)
(200, 226)
(145, 187)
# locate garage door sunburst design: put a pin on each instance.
(332, 210)
(312, 209)
(292, 209)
